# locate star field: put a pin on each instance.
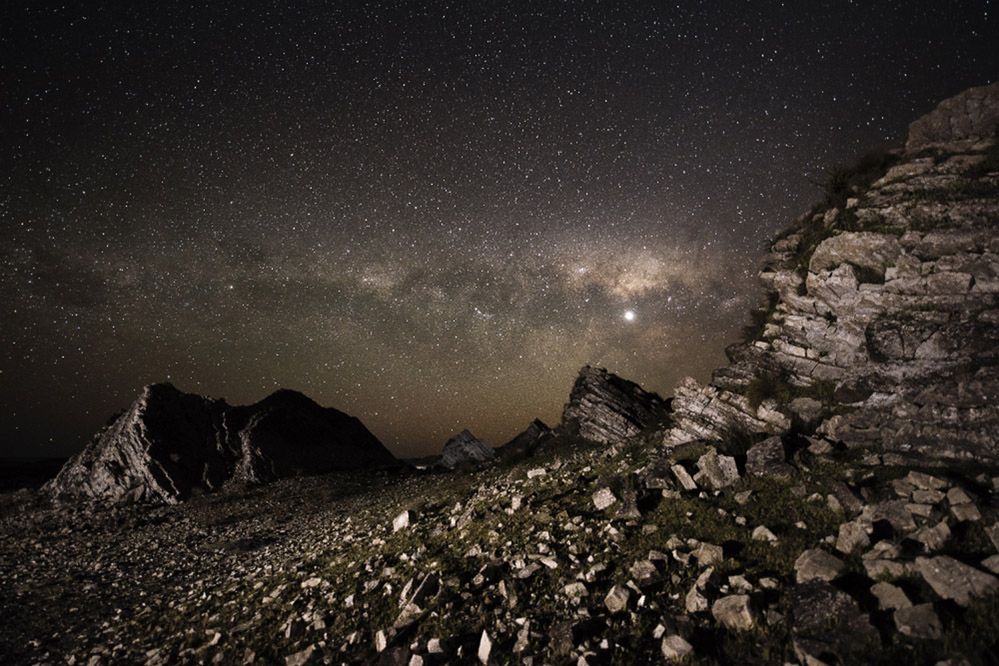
(426, 215)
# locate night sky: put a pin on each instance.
(426, 215)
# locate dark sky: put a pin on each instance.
(429, 216)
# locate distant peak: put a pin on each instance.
(159, 391)
(160, 386)
(288, 394)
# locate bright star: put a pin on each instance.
(629, 315)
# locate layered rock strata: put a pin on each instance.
(605, 408)
(884, 305)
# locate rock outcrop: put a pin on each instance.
(527, 442)
(464, 450)
(169, 445)
(883, 317)
(968, 118)
(605, 408)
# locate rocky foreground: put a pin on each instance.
(832, 496)
(802, 553)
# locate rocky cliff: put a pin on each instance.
(169, 445)
(882, 323)
(608, 409)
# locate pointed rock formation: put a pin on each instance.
(527, 442)
(883, 303)
(288, 434)
(605, 408)
(170, 444)
(464, 449)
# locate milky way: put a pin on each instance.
(427, 216)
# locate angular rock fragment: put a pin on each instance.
(816, 564)
(617, 599)
(643, 571)
(933, 538)
(763, 533)
(962, 506)
(603, 498)
(401, 521)
(301, 658)
(695, 602)
(919, 622)
(766, 458)
(708, 554)
(852, 537)
(675, 648)
(683, 477)
(924, 481)
(485, 648)
(889, 596)
(733, 612)
(716, 471)
(952, 579)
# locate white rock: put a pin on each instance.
(401, 521)
(683, 477)
(603, 498)
(675, 648)
(733, 612)
(708, 554)
(762, 533)
(485, 647)
(617, 599)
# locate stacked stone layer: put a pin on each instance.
(894, 312)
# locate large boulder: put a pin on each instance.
(605, 408)
(169, 444)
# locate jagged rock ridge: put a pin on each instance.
(465, 449)
(883, 325)
(169, 445)
(608, 409)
